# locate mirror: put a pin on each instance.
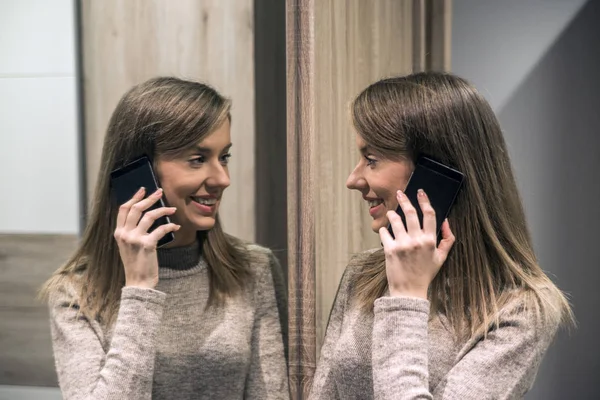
(61, 86)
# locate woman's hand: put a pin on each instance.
(137, 247)
(412, 259)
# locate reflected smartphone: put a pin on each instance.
(126, 181)
(441, 184)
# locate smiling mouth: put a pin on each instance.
(204, 201)
(375, 203)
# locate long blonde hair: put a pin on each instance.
(162, 116)
(493, 258)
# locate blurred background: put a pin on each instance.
(64, 64)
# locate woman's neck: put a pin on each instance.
(183, 239)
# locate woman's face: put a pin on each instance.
(378, 179)
(194, 183)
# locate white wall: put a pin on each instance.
(38, 118)
(38, 129)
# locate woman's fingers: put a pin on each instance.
(151, 216)
(447, 241)
(410, 213)
(136, 210)
(396, 224)
(125, 207)
(161, 231)
(386, 239)
(429, 222)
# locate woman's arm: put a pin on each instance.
(502, 366)
(125, 370)
(122, 371)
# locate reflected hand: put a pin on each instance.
(137, 247)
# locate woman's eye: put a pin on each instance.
(197, 160)
(225, 158)
(370, 161)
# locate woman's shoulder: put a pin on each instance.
(532, 310)
(355, 266)
(359, 260)
(257, 250)
(261, 260)
(63, 295)
(64, 290)
(260, 257)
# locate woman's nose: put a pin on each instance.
(219, 177)
(356, 180)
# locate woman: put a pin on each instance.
(470, 318)
(195, 319)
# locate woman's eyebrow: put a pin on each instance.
(208, 150)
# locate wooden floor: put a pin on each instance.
(26, 261)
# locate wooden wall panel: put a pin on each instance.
(125, 42)
(26, 261)
(357, 43)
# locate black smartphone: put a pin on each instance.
(441, 184)
(126, 181)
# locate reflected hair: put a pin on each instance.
(163, 116)
(492, 261)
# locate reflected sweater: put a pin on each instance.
(164, 344)
(399, 352)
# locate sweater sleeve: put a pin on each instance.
(502, 366)
(324, 383)
(85, 369)
(267, 377)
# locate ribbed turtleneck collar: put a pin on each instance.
(176, 262)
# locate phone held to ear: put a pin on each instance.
(441, 184)
(126, 181)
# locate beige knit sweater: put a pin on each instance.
(398, 352)
(166, 345)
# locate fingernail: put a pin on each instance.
(399, 193)
(421, 193)
(140, 190)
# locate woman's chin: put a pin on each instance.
(204, 223)
(379, 223)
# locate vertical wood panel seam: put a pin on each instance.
(300, 32)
